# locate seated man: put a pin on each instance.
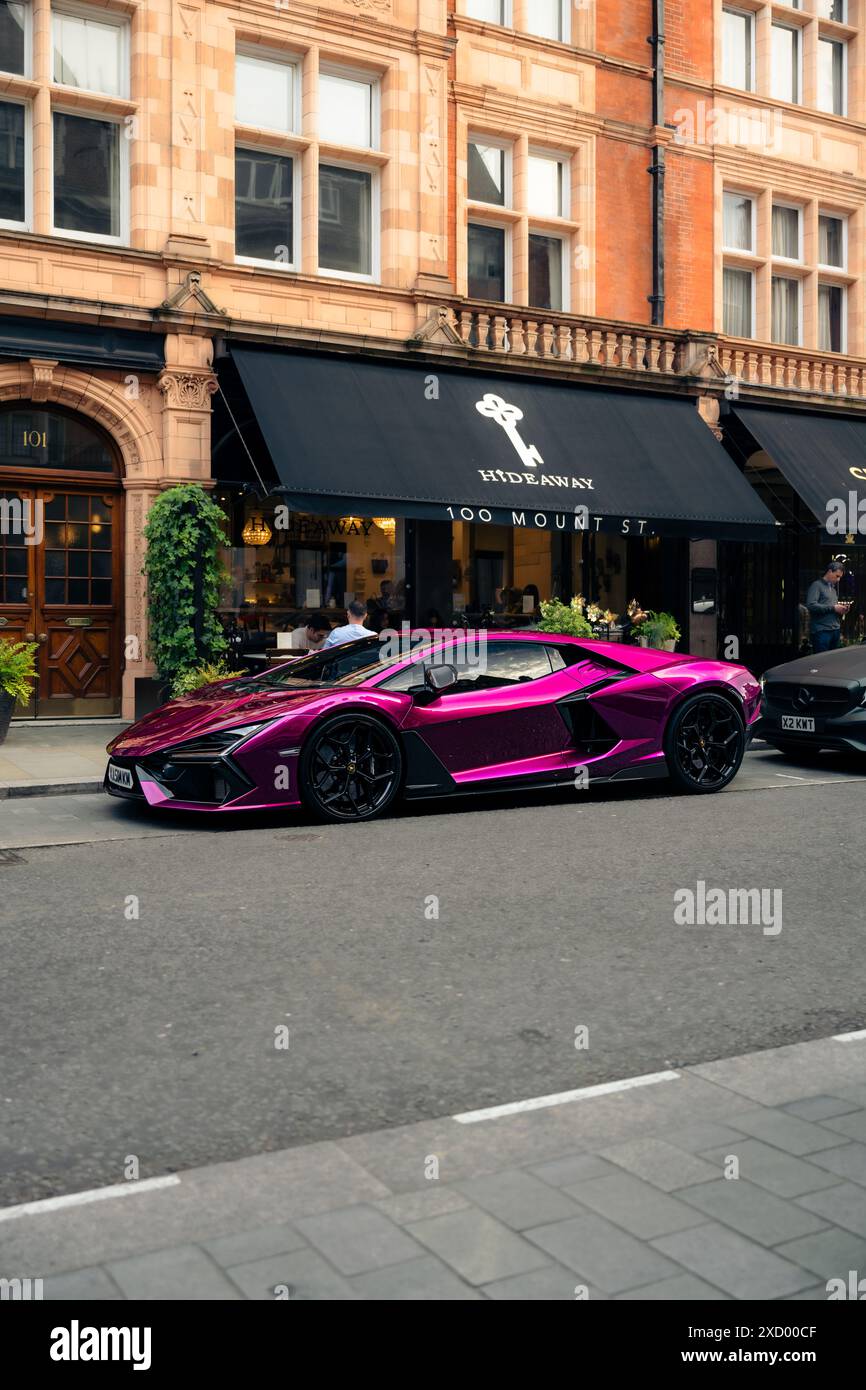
(310, 637)
(356, 612)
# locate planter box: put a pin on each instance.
(7, 706)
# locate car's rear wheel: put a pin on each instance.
(351, 768)
(704, 743)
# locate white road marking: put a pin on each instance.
(789, 777)
(95, 1194)
(850, 1037)
(605, 1088)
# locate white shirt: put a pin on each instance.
(350, 633)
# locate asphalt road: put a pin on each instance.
(154, 1034)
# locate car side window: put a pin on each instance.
(481, 667)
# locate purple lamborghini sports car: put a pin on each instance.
(346, 732)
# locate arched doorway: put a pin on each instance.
(61, 556)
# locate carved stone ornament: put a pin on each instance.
(187, 390)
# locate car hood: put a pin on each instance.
(635, 658)
(844, 664)
(217, 706)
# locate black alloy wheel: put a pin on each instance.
(704, 744)
(351, 768)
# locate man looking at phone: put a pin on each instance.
(825, 610)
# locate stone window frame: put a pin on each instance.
(807, 270)
(309, 152)
(12, 99)
(813, 26)
(518, 219)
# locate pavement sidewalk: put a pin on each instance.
(616, 1196)
(50, 759)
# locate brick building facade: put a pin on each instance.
(401, 180)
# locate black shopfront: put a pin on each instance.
(459, 495)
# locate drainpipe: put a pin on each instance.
(657, 168)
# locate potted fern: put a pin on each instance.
(17, 678)
(659, 630)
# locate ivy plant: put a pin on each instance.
(184, 533)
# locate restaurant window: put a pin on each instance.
(739, 223)
(738, 297)
(264, 207)
(546, 266)
(831, 76)
(831, 241)
(785, 309)
(488, 173)
(14, 165)
(14, 37)
(738, 41)
(89, 177)
(489, 11)
(346, 114)
(346, 221)
(785, 63)
(548, 19)
(90, 52)
(282, 567)
(487, 264)
(831, 318)
(266, 92)
(787, 232)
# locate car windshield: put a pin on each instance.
(351, 663)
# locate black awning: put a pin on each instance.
(823, 457)
(428, 442)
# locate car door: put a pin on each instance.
(501, 719)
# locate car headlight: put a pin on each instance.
(209, 746)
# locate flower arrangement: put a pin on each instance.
(657, 629)
(566, 618)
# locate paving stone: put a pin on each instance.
(781, 1075)
(414, 1206)
(784, 1131)
(253, 1245)
(81, 1285)
(519, 1199)
(480, 1248)
(848, 1161)
(356, 1239)
(418, 1280)
(751, 1210)
(735, 1265)
(304, 1273)
(681, 1288)
(635, 1205)
(183, 1272)
(703, 1134)
(772, 1169)
(829, 1253)
(819, 1108)
(553, 1284)
(843, 1205)
(574, 1168)
(660, 1163)
(601, 1253)
(853, 1125)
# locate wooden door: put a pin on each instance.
(79, 603)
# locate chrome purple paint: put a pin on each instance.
(512, 732)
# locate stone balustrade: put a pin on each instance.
(599, 345)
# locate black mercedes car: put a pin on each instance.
(816, 702)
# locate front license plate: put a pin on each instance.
(798, 724)
(120, 776)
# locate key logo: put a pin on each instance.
(509, 416)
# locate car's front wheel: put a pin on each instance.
(351, 768)
(704, 743)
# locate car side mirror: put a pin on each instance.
(438, 679)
